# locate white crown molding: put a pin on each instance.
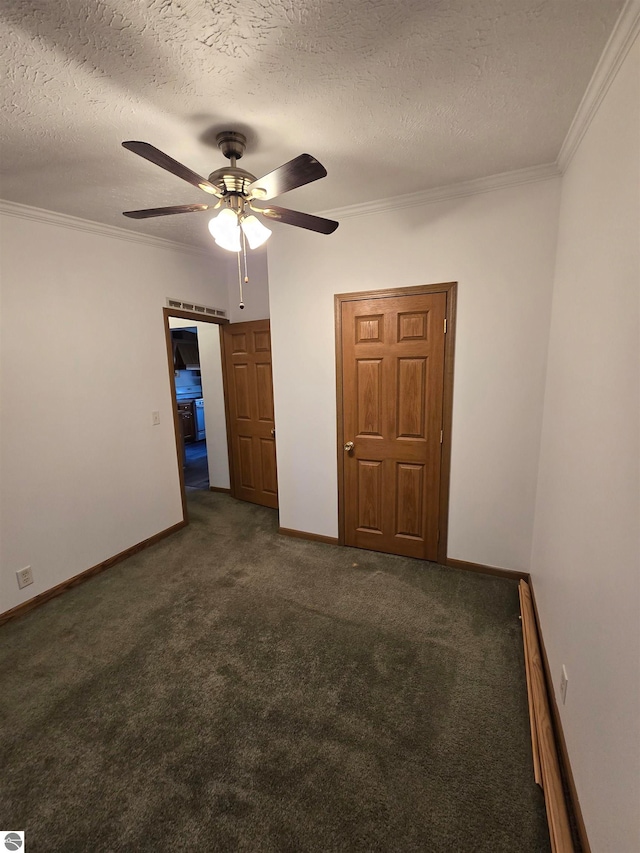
(466, 188)
(37, 214)
(620, 41)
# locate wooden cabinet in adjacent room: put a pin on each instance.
(187, 421)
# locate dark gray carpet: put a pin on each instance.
(230, 689)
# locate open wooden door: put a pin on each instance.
(392, 372)
(250, 418)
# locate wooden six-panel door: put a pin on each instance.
(393, 356)
(250, 419)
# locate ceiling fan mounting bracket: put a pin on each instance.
(232, 144)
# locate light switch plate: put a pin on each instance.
(564, 681)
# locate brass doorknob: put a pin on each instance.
(349, 446)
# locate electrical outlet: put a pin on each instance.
(155, 418)
(25, 577)
(564, 680)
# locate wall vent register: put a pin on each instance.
(207, 310)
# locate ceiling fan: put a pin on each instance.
(239, 193)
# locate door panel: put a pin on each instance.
(392, 381)
(369, 328)
(412, 377)
(268, 466)
(409, 488)
(262, 341)
(369, 396)
(245, 459)
(238, 342)
(264, 391)
(412, 327)
(369, 495)
(242, 391)
(250, 415)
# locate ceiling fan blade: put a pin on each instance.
(168, 211)
(296, 173)
(154, 155)
(295, 217)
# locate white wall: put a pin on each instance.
(256, 292)
(500, 247)
(213, 396)
(84, 473)
(213, 393)
(586, 559)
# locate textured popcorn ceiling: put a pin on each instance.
(392, 97)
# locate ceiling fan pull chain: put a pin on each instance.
(240, 281)
(244, 252)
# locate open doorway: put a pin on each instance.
(190, 402)
(233, 385)
(195, 371)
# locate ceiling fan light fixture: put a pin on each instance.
(230, 240)
(256, 233)
(225, 230)
(226, 220)
(235, 189)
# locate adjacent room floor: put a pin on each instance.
(196, 465)
(230, 689)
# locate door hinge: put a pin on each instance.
(445, 325)
(440, 436)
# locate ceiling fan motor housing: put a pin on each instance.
(230, 180)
